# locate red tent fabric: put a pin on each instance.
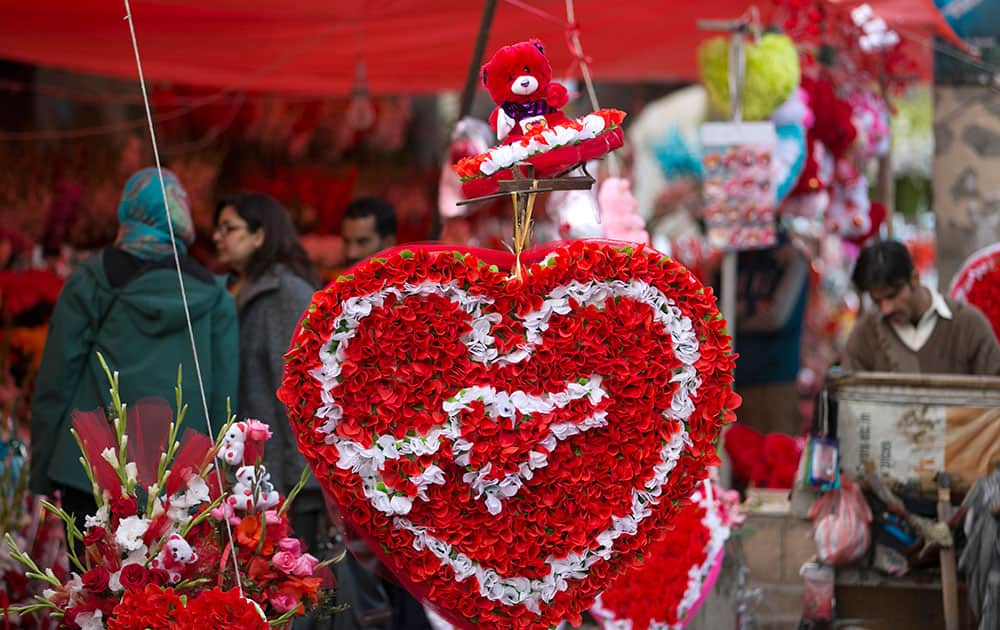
(312, 46)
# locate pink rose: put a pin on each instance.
(284, 562)
(282, 602)
(225, 510)
(257, 431)
(305, 565)
(291, 545)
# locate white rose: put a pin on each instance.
(130, 532)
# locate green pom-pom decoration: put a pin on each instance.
(772, 73)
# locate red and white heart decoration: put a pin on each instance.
(978, 283)
(667, 589)
(509, 445)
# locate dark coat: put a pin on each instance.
(131, 312)
(270, 308)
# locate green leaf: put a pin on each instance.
(494, 268)
(459, 256)
(406, 254)
(379, 260)
(577, 451)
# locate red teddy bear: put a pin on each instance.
(519, 79)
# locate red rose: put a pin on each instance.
(96, 580)
(94, 536)
(159, 577)
(133, 576)
(124, 507)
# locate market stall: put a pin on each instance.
(414, 461)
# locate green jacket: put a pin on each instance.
(131, 312)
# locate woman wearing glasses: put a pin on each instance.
(273, 284)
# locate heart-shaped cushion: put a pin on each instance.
(506, 445)
(772, 73)
(668, 587)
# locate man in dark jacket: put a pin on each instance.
(125, 303)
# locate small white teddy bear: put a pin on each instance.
(233, 444)
(175, 554)
(242, 497)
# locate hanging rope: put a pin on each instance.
(576, 49)
(180, 275)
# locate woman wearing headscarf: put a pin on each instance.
(125, 302)
(273, 283)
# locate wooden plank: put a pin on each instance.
(931, 381)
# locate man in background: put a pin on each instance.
(771, 294)
(913, 329)
(375, 600)
(368, 227)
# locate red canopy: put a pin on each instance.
(312, 46)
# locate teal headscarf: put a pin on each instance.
(143, 221)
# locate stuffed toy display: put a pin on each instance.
(619, 212)
(470, 137)
(832, 193)
(531, 126)
(519, 80)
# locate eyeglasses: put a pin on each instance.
(225, 229)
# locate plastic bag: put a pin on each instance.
(841, 520)
(817, 592)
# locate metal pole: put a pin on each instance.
(469, 92)
(728, 289)
(886, 181)
(730, 270)
(949, 574)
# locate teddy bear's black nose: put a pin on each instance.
(525, 83)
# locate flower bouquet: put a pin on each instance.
(22, 518)
(188, 533)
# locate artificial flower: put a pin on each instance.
(133, 576)
(978, 283)
(537, 141)
(96, 580)
(130, 532)
(506, 442)
(94, 535)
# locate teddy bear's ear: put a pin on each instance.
(537, 43)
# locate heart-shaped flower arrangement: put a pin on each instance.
(978, 283)
(666, 590)
(508, 445)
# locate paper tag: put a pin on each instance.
(739, 184)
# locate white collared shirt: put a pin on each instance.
(914, 337)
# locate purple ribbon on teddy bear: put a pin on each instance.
(520, 111)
